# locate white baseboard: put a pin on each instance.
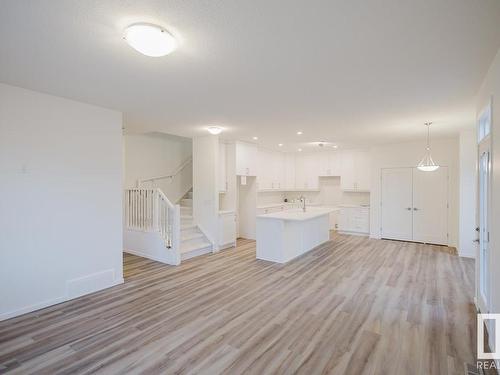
(145, 255)
(54, 301)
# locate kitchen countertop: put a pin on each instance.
(298, 214)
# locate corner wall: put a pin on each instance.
(60, 200)
(156, 154)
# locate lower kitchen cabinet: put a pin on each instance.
(354, 220)
(227, 229)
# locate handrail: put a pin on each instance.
(171, 176)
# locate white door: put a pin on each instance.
(430, 206)
(397, 195)
(483, 292)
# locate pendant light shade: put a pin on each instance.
(427, 164)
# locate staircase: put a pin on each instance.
(193, 241)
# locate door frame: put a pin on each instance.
(483, 303)
(412, 168)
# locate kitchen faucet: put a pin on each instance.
(302, 200)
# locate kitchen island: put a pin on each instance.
(282, 236)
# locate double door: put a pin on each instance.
(414, 205)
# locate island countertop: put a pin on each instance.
(299, 215)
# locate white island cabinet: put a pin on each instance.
(282, 236)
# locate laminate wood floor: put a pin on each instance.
(352, 306)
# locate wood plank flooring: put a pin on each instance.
(352, 306)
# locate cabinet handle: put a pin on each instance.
(415, 209)
(408, 208)
(226, 185)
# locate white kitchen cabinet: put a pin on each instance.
(329, 163)
(278, 170)
(289, 171)
(355, 170)
(227, 229)
(306, 171)
(354, 220)
(246, 159)
(222, 168)
(271, 172)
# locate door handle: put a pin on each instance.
(408, 208)
(415, 209)
(476, 240)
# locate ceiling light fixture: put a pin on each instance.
(280, 144)
(427, 164)
(299, 133)
(150, 40)
(335, 146)
(214, 130)
(255, 138)
(299, 150)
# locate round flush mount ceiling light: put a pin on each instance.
(214, 130)
(255, 138)
(150, 40)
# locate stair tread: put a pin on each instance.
(195, 246)
(191, 236)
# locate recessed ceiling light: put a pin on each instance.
(335, 146)
(150, 40)
(280, 144)
(255, 138)
(299, 133)
(214, 130)
(299, 150)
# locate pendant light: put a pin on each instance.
(427, 164)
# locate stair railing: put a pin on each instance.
(149, 210)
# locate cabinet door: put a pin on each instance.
(264, 174)
(278, 170)
(312, 170)
(334, 164)
(222, 167)
(430, 206)
(246, 159)
(348, 172)
(289, 171)
(344, 219)
(253, 160)
(300, 172)
(396, 204)
(324, 164)
(227, 228)
(362, 168)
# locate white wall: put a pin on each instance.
(491, 88)
(468, 182)
(157, 154)
(206, 185)
(60, 200)
(444, 152)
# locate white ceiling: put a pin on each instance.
(352, 72)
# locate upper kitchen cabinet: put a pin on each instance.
(289, 171)
(306, 171)
(355, 170)
(247, 156)
(329, 163)
(222, 168)
(271, 172)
